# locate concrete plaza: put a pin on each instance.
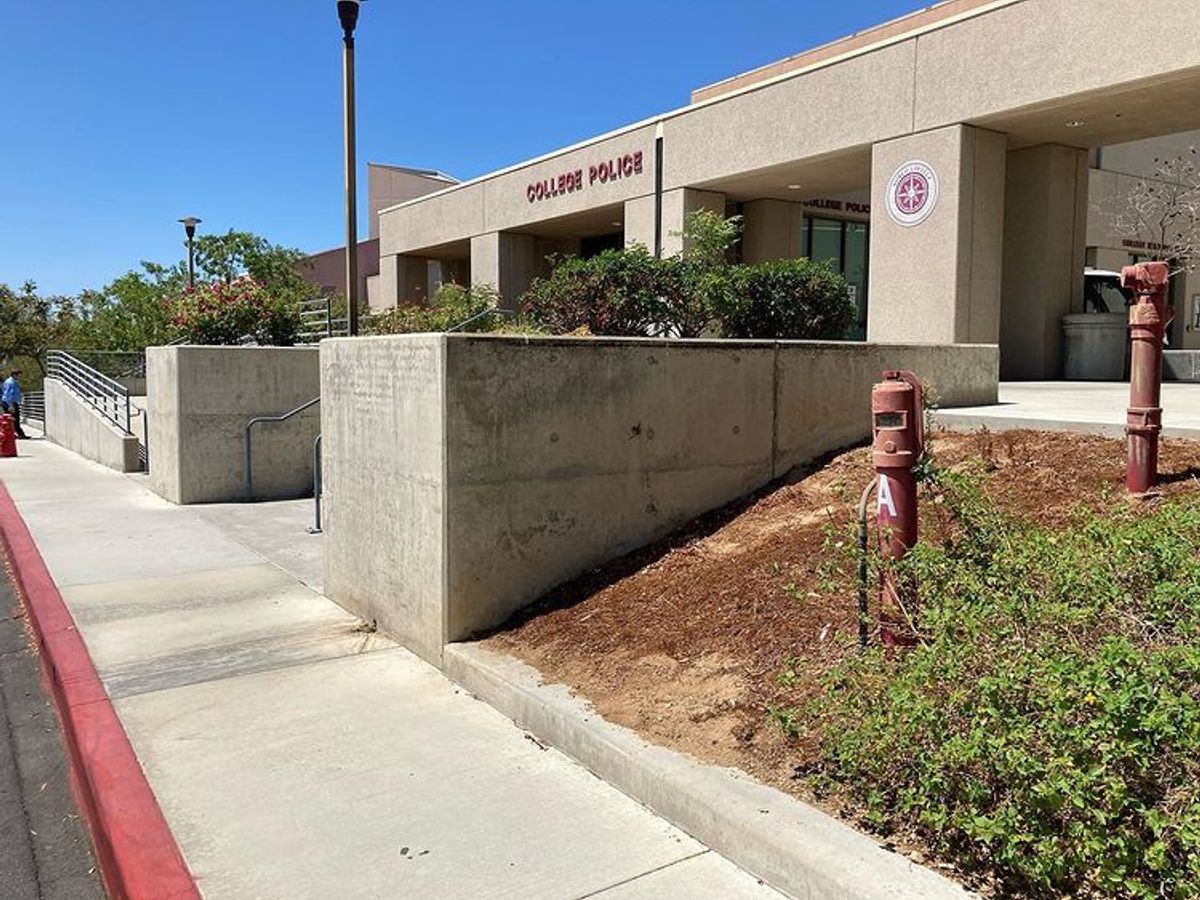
(297, 754)
(1096, 407)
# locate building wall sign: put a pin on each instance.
(1136, 244)
(912, 193)
(601, 172)
(846, 206)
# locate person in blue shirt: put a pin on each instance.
(10, 400)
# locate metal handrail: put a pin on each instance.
(33, 406)
(490, 311)
(250, 444)
(317, 321)
(108, 397)
(114, 363)
(318, 487)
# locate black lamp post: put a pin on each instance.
(348, 14)
(189, 226)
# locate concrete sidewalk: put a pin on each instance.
(1096, 407)
(296, 754)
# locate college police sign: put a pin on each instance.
(600, 172)
(912, 193)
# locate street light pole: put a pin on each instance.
(189, 227)
(348, 14)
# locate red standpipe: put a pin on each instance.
(1148, 320)
(897, 416)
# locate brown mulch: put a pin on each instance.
(690, 642)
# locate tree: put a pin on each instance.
(136, 310)
(224, 257)
(132, 311)
(708, 237)
(31, 325)
(1162, 210)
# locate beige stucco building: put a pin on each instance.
(386, 186)
(951, 163)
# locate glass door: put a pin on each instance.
(844, 245)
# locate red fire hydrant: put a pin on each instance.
(8, 436)
(897, 415)
(1148, 320)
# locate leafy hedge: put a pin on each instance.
(1047, 732)
(791, 298)
(451, 306)
(618, 292)
(223, 312)
(632, 293)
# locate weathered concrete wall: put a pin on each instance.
(384, 460)
(72, 423)
(200, 399)
(467, 475)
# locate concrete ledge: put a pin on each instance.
(466, 475)
(72, 423)
(200, 400)
(790, 845)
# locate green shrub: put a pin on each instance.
(618, 292)
(632, 293)
(230, 312)
(783, 299)
(1046, 733)
(451, 306)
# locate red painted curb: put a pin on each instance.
(135, 850)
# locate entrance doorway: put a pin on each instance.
(845, 246)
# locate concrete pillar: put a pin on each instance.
(936, 256)
(677, 205)
(772, 229)
(506, 261)
(1045, 237)
(402, 280)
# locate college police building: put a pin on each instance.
(949, 164)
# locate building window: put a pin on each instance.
(845, 246)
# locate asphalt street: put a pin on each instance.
(44, 847)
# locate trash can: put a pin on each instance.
(1096, 345)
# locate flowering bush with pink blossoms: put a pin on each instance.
(234, 312)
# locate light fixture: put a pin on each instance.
(794, 187)
(617, 224)
(348, 14)
(189, 228)
(1074, 123)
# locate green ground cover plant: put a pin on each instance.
(1044, 736)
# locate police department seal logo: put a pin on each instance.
(912, 193)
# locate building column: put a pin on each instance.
(1045, 242)
(772, 229)
(937, 226)
(505, 261)
(677, 205)
(403, 279)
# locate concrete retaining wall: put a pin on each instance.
(1181, 365)
(199, 401)
(73, 423)
(467, 475)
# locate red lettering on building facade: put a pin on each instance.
(626, 166)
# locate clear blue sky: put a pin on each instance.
(121, 117)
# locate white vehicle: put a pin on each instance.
(1102, 292)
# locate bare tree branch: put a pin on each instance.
(1161, 210)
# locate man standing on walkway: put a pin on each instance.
(10, 400)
